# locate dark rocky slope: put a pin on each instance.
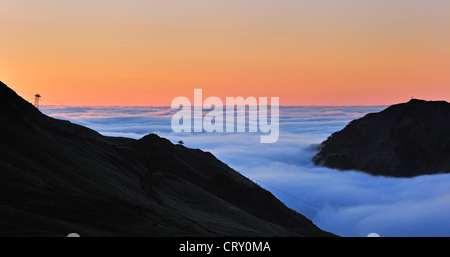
(57, 177)
(404, 140)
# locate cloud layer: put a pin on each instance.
(347, 203)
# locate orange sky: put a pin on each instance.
(118, 52)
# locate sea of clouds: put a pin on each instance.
(346, 203)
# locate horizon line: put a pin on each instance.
(168, 106)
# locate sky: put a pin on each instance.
(346, 203)
(145, 53)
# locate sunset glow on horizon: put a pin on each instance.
(116, 52)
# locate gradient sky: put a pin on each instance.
(139, 52)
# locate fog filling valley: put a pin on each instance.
(348, 203)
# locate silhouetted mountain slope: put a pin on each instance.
(404, 140)
(57, 177)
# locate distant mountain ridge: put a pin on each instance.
(58, 178)
(404, 140)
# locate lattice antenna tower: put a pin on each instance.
(36, 100)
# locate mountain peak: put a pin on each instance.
(425, 102)
(404, 140)
(6, 92)
(12, 104)
(415, 100)
(58, 177)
